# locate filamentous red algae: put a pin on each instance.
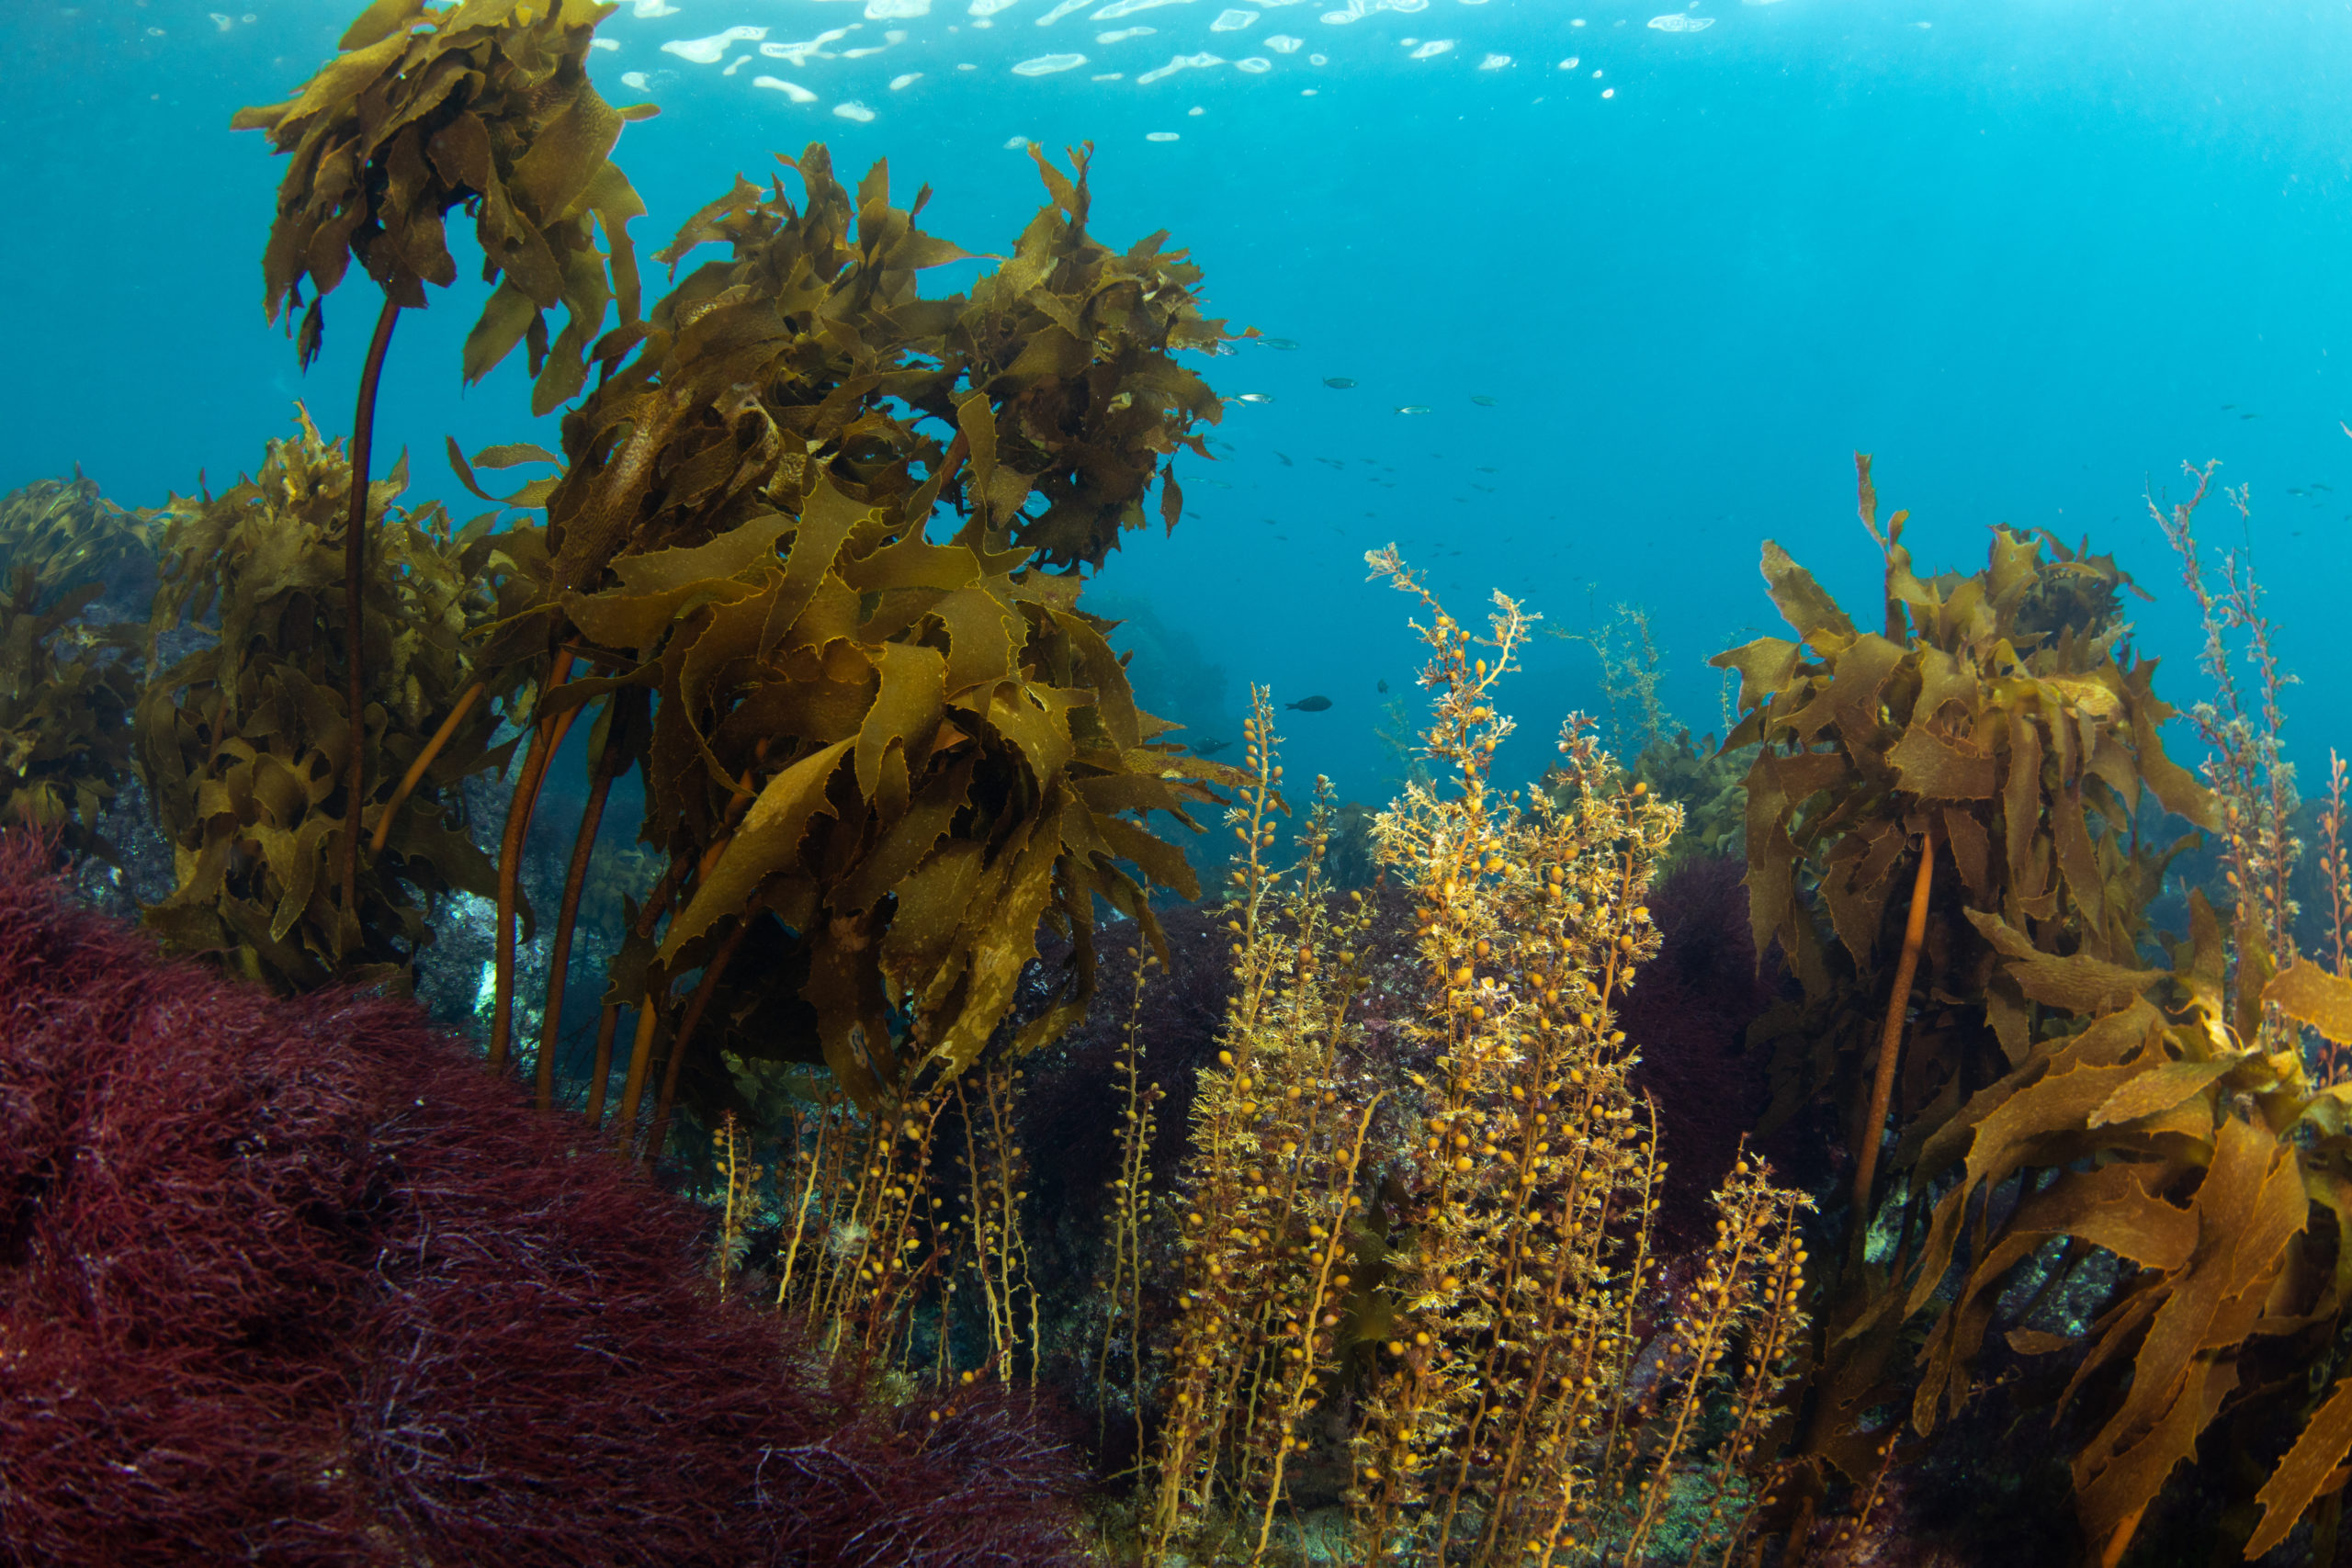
(300, 1282)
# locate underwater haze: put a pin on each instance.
(1573, 300)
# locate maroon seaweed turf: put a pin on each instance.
(299, 1282)
(1688, 1011)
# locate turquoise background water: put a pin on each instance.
(2033, 255)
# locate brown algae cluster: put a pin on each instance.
(67, 683)
(1478, 1321)
(242, 741)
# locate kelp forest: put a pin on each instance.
(957, 1121)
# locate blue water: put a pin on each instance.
(2026, 253)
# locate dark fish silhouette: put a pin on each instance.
(1282, 343)
(1311, 704)
(1342, 382)
(1383, 686)
(1483, 400)
(1286, 462)
(1209, 748)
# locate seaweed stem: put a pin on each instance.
(560, 953)
(1890, 1043)
(415, 775)
(606, 1027)
(355, 559)
(546, 736)
(640, 1057)
(695, 1007)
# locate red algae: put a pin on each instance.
(296, 1281)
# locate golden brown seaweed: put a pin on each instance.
(240, 743)
(485, 105)
(899, 755)
(70, 534)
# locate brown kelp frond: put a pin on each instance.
(2163, 1133)
(486, 106)
(242, 742)
(810, 350)
(66, 691)
(70, 536)
(1999, 726)
(883, 760)
(1986, 750)
(2072, 1118)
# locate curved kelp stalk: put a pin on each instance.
(713, 972)
(486, 106)
(548, 731)
(1872, 1131)
(355, 557)
(425, 760)
(607, 757)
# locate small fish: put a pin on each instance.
(1490, 471)
(2330, 489)
(2293, 491)
(1286, 462)
(1414, 408)
(1256, 398)
(1309, 705)
(1483, 400)
(1383, 686)
(2249, 416)
(1209, 748)
(1342, 382)
(1284, 343)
